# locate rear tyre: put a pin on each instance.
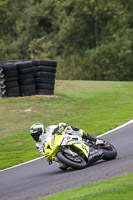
(76, 165)
(109, 152)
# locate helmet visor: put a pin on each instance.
(35, 136)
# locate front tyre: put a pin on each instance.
(78, 163)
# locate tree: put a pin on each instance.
(90, 39)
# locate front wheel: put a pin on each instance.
(109, 152)
(75, 162)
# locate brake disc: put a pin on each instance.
(73, 158)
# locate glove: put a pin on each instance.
(45, 142)
(60, 127)
(62, 124)
(99, 142)
(40, 149)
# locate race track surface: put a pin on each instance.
(37, 179)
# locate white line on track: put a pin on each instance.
(21, 164)
(119, 127)
(115, 129)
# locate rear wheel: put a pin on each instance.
(109, 152)
(76, 162)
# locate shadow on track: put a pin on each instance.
(69, 170)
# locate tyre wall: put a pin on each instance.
(27, 78)
(2, 81)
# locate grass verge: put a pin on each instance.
(120, 188)
(94, 106)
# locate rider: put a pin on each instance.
(40, 134)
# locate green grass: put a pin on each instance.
(93, 106)
(118, 188)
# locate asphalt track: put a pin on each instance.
(37, 178)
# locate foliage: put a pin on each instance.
(89, 39)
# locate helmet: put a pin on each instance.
(36, 130)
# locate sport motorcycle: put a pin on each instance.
(73, 151)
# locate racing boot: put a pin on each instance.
(62, 166)
(88, 136)
(95, 155)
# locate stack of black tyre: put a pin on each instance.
(35, 68)
(10, 73)
(26, 78)
(45, 78)
(2, 80)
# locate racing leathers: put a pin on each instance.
(73, 130)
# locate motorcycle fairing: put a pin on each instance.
(81, 146)
(56, 142)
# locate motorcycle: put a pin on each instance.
(73, 151)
